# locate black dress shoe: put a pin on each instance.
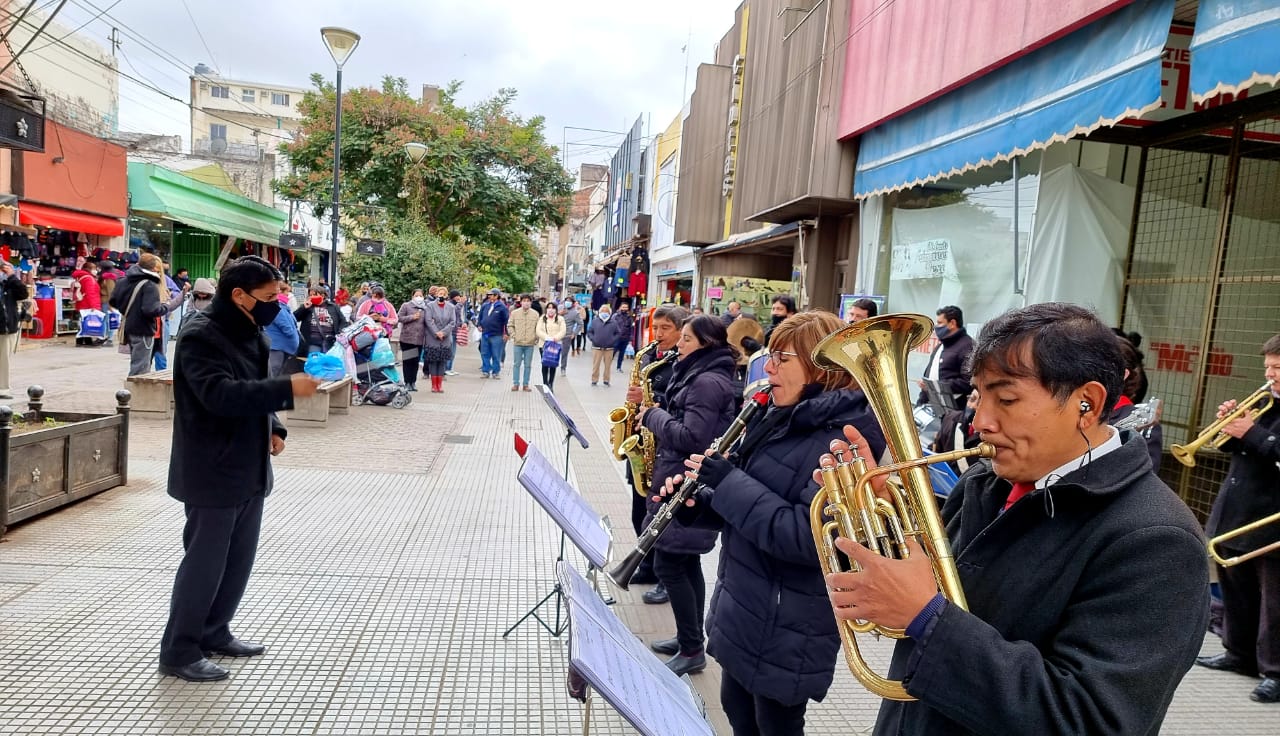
(1267, 691)
(1227, 662)
(657, 596)
(201, 670)
(682, 665)
(666, 646)
(644, 577)
(237, 648)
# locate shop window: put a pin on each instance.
(279, 98)
(222, 93)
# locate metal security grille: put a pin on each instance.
(195, 251)
(1203, 282)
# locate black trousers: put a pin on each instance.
(1251, 611)
(681, 575)
(756, 715)
(549, 376)
(220, 546)
(412, 355)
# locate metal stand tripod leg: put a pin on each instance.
(562, 620)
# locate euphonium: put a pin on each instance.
(875, 352)
(622, 424)
(1213, 435)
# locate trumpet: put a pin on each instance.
(1236, 560)
(621, 574)
(1213, 435)
(875, 352)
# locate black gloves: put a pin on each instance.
(714, 470)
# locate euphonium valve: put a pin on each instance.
(847, 505)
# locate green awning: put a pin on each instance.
(158, 191)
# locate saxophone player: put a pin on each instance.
(666, 324)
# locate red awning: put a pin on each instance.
(60, 219)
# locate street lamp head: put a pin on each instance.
(341, 43)
(416, 151)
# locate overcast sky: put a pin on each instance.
(590, 64)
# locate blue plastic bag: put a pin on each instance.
(383, 355)
(325, 367)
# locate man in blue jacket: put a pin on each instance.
(283, 335)
(493, 334)
(1086, 581)
(225, 432)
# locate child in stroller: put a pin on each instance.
(377, 379)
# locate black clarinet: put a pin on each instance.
(621, 575)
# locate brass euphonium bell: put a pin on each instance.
(875, 352)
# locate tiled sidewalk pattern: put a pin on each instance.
(391, 562)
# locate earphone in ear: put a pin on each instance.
(1085, 406)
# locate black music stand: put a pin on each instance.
(575, 518)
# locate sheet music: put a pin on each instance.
(622, 669)
(570, 510)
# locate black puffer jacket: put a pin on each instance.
(140, 320)
(770, 624)
(700, 406)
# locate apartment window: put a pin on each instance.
(217, 131)
(220, 92)
(247, 95)
(279, 98)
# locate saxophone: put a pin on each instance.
(644, 438)
(622, 423)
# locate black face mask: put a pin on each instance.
(264, 313)
(440, 299)
(777, 319)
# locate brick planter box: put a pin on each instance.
(76, 456)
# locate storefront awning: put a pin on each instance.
(164, 193)
(1234, 46)
(57, 218)
(1103, 73)
(763, 236)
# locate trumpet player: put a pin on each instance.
(774, 652)
(1251, 589)
(1084, 574)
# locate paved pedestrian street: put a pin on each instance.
(396, 549)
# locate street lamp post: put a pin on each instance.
(341, 43)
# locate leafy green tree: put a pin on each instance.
(416, 257)
(488, 180)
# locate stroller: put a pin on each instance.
(377, 379)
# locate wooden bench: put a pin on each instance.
(152, 394)
(333, 397)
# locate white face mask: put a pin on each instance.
(419, 301)
(604, 316)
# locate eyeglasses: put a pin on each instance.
(775, 357)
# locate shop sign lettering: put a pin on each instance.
(1179, 358)
(735, 111)
(928, 260)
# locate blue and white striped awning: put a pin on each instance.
(1096, 76)
(1236, 45)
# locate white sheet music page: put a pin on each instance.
(623, 670)
(570, 510)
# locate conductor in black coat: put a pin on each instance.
(224, 434)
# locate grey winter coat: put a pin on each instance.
(440, 318)
(606, 334)
(572, 322)
(413, 324)
(1088, 603)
